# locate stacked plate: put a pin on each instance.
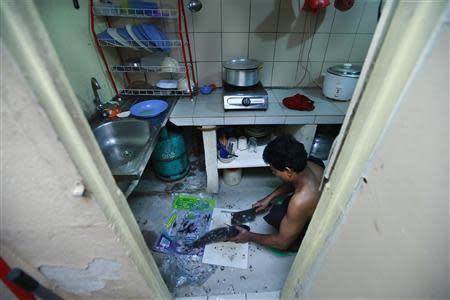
(145, 36)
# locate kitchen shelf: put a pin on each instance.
(110, 11)
(147, 43)
(154, 92)
(245, 159)
(149, 69)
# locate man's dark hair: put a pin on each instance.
(285, 152)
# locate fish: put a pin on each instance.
(221, 234)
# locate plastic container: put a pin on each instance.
(232, 176)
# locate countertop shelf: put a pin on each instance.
(207, 110)
(245, 159)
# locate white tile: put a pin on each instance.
(339, 47)
(284, 74)
(171, 25)
(300, 119)
(287, 47)
(264, 296)
(264, 15)
(272, 97)
(228, 297)
(328, 64)
(208, 47)
(274, 110)
(341, 105)
(209, 72)
(208, 19)
(183, 109)
(182, 121)
(235, 15)
(325, 19)
(270, 120)
(325, 108)
(292, 17)
(192, 298)
(266, 76)
(234, 45)
(347, 21)
(369, 18)
(208, 121)
(262, 46)
(329, 119)
(319, 47)
(240, 120)
(309, 74)
(360, 47)
(283, 93)
(207, 109)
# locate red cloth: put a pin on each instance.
(343, 5)
(299, 102)
(315, 5)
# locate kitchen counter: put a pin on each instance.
(207, 111)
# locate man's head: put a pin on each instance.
(286, 156)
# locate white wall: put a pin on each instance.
(395, 238)
(70, 33)
(65, 242)
(279, 33)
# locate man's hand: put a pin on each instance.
(242, 237)
(261, 204)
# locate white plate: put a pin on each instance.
(115, 35)
(167, 84)
(129, 29)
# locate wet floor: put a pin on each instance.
(151, 204)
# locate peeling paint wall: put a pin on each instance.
(42, 223)
(394, 241)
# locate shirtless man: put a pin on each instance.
(301, 176)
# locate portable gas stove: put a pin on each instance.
(252, 97)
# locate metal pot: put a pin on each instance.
(242, 71)
(340, 81)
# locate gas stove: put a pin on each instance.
(252, 97)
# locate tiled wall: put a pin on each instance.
(282, 35)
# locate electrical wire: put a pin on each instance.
(308, 56)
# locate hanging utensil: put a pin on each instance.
(195, 5)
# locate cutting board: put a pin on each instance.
(228, 254)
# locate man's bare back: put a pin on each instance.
(288, 161)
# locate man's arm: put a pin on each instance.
(281, 190)
(292, 224)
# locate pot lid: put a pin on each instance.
(242, 64)
(346, 70)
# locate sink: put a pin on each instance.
(125, 144)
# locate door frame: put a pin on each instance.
(403, 46)
(33, 51)
(411, 27)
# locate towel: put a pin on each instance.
(299, 102)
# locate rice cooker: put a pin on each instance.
(340, 81)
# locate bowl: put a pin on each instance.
(183, 85)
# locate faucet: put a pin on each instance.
(95, 88)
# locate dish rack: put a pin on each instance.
(187, 68)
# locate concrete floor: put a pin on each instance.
(151, 204)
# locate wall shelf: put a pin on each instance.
(154, 92)
(148, 69)
(146, 43)
(245, 159)
(111, 11)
